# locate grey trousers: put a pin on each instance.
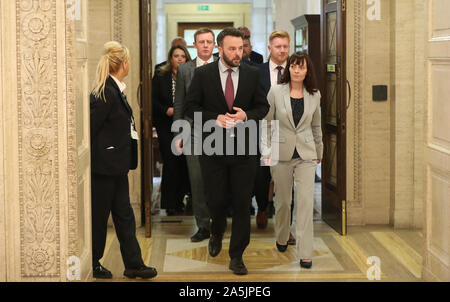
(199, 202)
(302, 173)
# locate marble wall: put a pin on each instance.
(385, 139)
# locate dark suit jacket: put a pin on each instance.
(265, 76)
(206, 94)
(113, 151)
(184, 78)
(162, 98)
(256, 57)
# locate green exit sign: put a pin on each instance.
(203, 8)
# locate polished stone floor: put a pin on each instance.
(336, 258)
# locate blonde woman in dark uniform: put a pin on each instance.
(113, 154)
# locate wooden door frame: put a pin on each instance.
(341, 107)
(146, 112)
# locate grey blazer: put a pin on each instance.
(184, 77)
(306, 137)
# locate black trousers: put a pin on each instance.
(230, 179)
(110, 194)
(175, 178)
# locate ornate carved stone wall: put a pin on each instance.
(117, 20)
(40, 203)
(38, 138)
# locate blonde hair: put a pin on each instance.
(279, 34)
(114, 54)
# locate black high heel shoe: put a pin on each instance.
(282, 248)
(305, 264)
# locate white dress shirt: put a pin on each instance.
(122, 85)
(274, 72)
(200, 62)
(223, 71)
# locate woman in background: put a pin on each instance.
(175, 180)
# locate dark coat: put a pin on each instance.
(113, 151)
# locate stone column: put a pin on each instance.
(38, 223)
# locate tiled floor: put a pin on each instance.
(336, 258)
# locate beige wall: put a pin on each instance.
(407, 112)
(385, 139)
(2, 176)
(286, 10)
(239, 14)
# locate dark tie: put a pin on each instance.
(280, 68)
(229, 91)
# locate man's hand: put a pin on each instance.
(225, 122)
(169, 111)
(239, 116)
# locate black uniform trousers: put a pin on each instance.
(230, 179)
(110, 194)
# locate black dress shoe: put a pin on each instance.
(99, 272)
(282, 248)
(305, 264)
(201, 235)
(215, 245)
(238, 266)
(143, 272)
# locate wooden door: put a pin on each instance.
(146, 113)
(334, 115)
(437, 143)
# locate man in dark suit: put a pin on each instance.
(270, 72)
(249, 54)
(204, 43)
(228, 93)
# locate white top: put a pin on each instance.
(223, 71)
(274, 72)
(122, 85)
(200, 62)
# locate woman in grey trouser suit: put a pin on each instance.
(295, 104)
